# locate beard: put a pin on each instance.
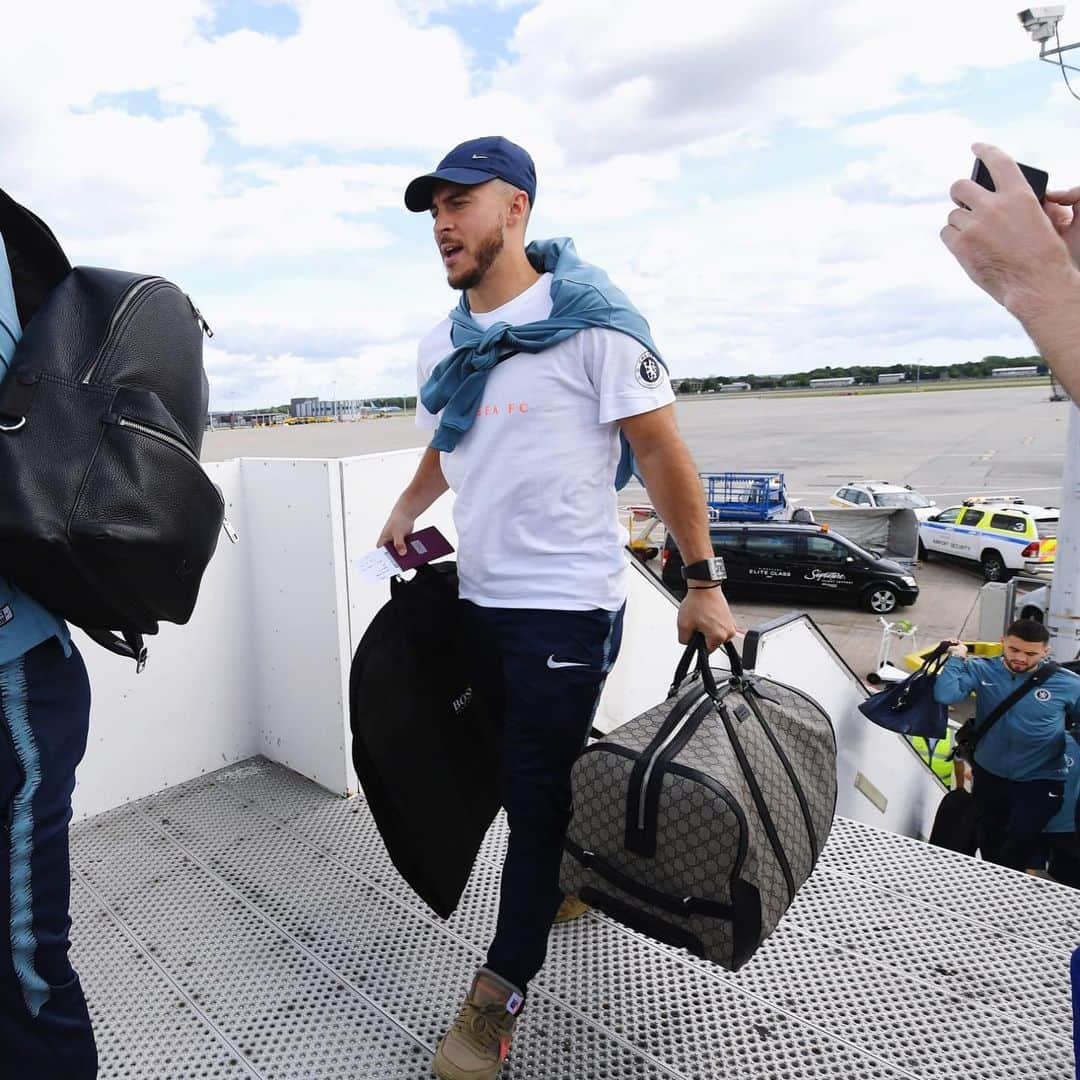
(1022, 665)
(487, 252)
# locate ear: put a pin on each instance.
(518, 210)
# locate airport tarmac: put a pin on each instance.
(1003, 440)
(998, 440)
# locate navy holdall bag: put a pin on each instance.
(909, 707)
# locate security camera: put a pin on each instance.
(1041, 22)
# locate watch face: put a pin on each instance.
(706, 570)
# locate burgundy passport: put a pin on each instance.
(422, 547)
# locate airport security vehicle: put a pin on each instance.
(1003, 536)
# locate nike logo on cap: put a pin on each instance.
(479, 157)
(553, 663)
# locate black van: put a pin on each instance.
(798, 562)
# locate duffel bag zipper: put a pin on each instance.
(177, 444)
(698, 777)
(127, 301)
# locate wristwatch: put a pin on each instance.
(705, 570)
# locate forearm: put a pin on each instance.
(1050, 313)
(673, 484)
(675, 489)
(426, 486)
(954, 682)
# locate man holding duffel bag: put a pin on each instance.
(535, 388)
(44, 720)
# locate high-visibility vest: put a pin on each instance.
(943, 769)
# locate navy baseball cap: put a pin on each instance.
(476, 162)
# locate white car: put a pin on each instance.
(879, 493)
(1003, 536)
(1035, 604)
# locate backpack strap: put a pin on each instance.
(38, 263)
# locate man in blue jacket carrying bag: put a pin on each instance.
(1019, 759)
(45, 1029)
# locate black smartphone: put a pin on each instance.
(1035, 177)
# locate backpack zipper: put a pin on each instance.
(177, 444)
(127, 300)
(200, 318)
(161, 436)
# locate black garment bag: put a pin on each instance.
(956, 823)
(424, 748)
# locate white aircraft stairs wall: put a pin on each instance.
(235, 914)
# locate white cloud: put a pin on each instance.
(266, 173)
(355, 77)
(620, 75)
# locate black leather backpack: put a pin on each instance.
(106, 516)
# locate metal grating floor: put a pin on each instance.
(249, 924)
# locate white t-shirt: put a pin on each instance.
(536, 511)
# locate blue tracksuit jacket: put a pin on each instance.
(1028, 742)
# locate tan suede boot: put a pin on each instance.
(570, 909)
(479, 1042)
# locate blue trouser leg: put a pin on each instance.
(545, 673)
(1012, 815)
(1063, 858)
(44, 717)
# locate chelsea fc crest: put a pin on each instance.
(649, 371)
(1042, 695)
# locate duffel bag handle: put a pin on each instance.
(935, 659)
(696, 650)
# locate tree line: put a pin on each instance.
(867, 374)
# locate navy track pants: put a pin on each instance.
(45, 1030)
(1012, 815)
(542, 673)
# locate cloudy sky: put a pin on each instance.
(766, 180)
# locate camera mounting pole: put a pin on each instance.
(1063, 616)
(1049, 55)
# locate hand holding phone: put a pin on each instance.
(1035, 177)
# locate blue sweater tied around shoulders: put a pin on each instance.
(582, 296)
